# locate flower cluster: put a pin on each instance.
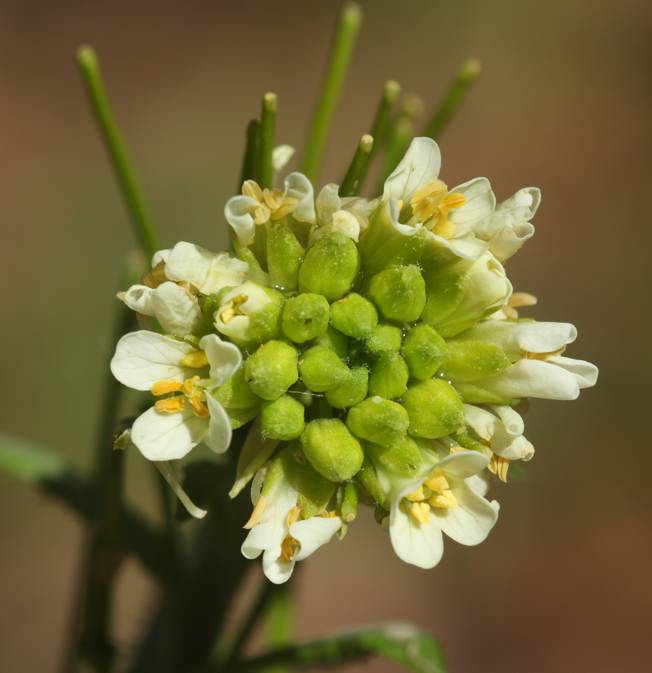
(373, 347)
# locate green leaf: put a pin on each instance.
(402, 643)
(28, 461)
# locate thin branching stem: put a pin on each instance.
(357, 169)
(266, 144)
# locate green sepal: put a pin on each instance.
(315, 492)
(402, 459)
(471, 361)
(349, 502)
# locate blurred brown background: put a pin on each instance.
(564, 102)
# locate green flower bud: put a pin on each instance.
(384, 339)
(378, 420)
(315, 492)
(352, 391)
(238, 400)
(424, 351)
(434, 407)
(331, 449)
(461, 293)
(389, 376)
(349, 504)
(305, 317)
(249, 314)
(368, 477)
(322, 369)
(284, 255)
(399, 293)
(354, 316)
(330, 266)
(403, 458)
(334, 340)
(469, 361)
(282, 419)
(272, 369)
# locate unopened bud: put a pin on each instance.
(389, 376)
(424, 351)
(402, 459)
(352, 391)
(434, 407)
(330, 266)
(334, 340)
(284, 255)
(272, 369)
(282, 419)
(322, 369)
(349, 505)
(331, 449)
(315, 492)
(238, 399)
(305, 317)
(399, 293)
(384, 339)
(469, 361)
(354, 316)
(378, 420)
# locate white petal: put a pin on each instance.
(281, 156)
(516, 338)
(479, 483)
(535, 378)
(314, 532)
(328, 202)
(176, 309)
(258, 539)
(299, 187)
(167, 470)
(276, 570)
(346, 223)
(522, 206)
(585, 373)
(470, 522)
(482, 422)
(463, 464)
(509, 240)
(138, 298)
(420, 164)
(142, 358)
(513, 448)
(421, 545)
(224, 359)
(208, 271)
(237, 214)
(511, 419)
(480, 204)
(163, 436)
(219, 433)
(160, 256)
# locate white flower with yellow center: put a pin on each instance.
(444, 500)
(419, 198)
(539, 369)
(500, 429)
(170, 291)
(183, 377)
(257, 206)
(349, 215)
(277, 531)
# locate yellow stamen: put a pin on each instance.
(420, 511)
(257, 513)
(518, 300)
(233, 308)
(170, 405)
(194, 359)
(272, 204)
(443, 500)
(437, 483)
(289, 548)
(543, 356)
(251, 189)
(165, 386)
(199, 408)
(432, 202)
(416, 496)
(292, 516)
(499, 466)
(189, 385)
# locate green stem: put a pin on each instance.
(379, 127)
(452, 99)
(267, 132)
(358, 167)
(280, 620)
(248, 171)
(344, 39)
(92, 77)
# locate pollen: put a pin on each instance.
(170, 405)
(443, 500)
(417, 495)
(165, 386)
(194, 359)
(437, 483)
(432, 203)
(257, 513)
(499, 466)
(233, 308)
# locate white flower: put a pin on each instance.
(444, 500)
(348, 215)
(256, 206)
(234, 316)
(450, 217)
(175, 424)
(278, 533)
(539, 369)
(507, 229)
(501, 431)
(281, 156)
